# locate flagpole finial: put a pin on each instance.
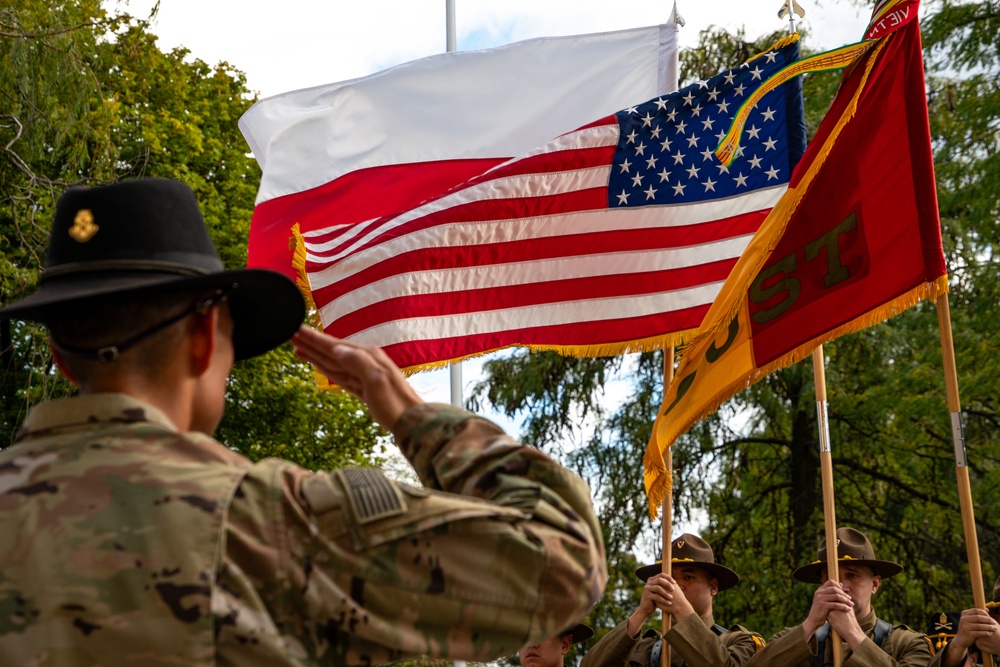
(791, 8)
(675, 16)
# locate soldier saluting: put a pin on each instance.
(129, 536)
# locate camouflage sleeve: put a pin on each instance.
(500, 551)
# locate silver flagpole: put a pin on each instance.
(456, 369)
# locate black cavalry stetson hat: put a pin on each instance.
(147, 235)
(942, 628)
(580, 632)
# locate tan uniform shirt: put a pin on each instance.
(692, 640)
(902, 647)
(123, 541)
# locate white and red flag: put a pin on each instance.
(613, 237)
(349, 152)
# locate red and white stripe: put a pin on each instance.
(530, 254)
(356, 150)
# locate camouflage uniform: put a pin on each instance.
(123, 541)
(692, 640)
(903, 647)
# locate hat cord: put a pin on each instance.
(112, 352)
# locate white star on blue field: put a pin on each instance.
(665, 152)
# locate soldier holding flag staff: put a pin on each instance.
(687, 595)
(845, 606)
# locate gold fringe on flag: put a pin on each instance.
(604, 350)
(773, 227)
(302, 282)
(746, 269)
(661, 482)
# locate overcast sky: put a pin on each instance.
(289, 44)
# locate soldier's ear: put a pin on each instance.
(61, 364)
(201, 334)
(567, 641)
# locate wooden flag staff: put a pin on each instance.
(826, 474)
(666, 513)
(961, 462)
(667, 509)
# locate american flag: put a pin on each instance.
(611, 238)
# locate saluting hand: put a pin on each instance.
(365, 371)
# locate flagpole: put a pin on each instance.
(826, 474)
(454, 369)
(667, 510)
(449, 17)
(825, 456)
(961, 462)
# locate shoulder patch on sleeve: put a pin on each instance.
(372, 495)
(320, 495)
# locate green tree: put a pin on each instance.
(87, 97)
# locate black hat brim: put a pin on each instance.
(581, 632)
(267, 307)
(723, 575)
(812, 573)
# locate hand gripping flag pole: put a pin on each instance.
(792, 9)
(667, 509)
(666, 557)
(961, 461)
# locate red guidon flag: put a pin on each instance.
(854, 240)
(349, 152)
(613, 237)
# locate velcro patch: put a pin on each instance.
(372, 495)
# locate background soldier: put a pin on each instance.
(129, 536)
(978, 630)
(687, 596)
(942, 628)
(552, 651)
(845, 606)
